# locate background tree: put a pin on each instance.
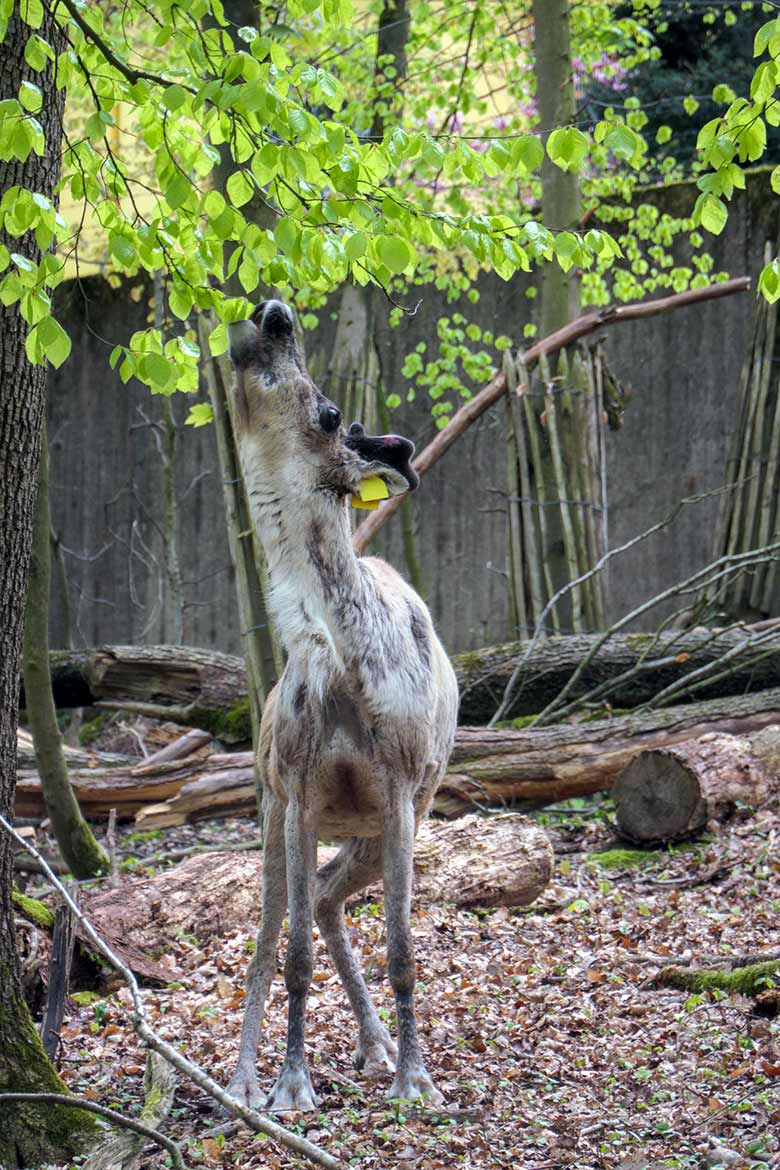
(24, 1134)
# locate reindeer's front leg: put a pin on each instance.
(411, 1078)
(293, 1090)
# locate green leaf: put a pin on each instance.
(713, 213)
(240, 189)
(528, 152)
(218, 340)
(690, 105)
(38, 53)
(30, 97)
(622, 141)
(31, 12)
(567, 147)
(355, 246)
(663, 135)
(395, 253)
(723, 93)
(123, 251)
(200, 415)
(769, 282)
(174, 97)
(48, 340)
(178, 190)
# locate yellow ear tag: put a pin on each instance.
(372, 490)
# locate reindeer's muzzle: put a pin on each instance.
(274, 320)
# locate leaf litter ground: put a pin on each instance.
(540, 1025)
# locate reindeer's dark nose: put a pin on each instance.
(274, 319)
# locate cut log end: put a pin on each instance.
(670, 793)
(658, 798)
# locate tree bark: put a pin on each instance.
(81, 852)
(669, 794)
(29, 1135)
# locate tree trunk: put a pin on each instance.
(79, 849)
(29, 1135)
(560, 189)
(668, 794)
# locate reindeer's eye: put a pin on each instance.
(330, 418)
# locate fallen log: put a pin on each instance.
(197, 688)
(207, 689)
(128, 787)
(671, 793)
(489, 767)
(648, 662)
(482, 861)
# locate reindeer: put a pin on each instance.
(356, 735)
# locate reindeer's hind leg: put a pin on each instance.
(263, 965)
(358, 864)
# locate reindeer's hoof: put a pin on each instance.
(415, 1085)
(377, 1058)
(292, 1092)
(244, 1088)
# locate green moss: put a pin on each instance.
(231, 724)
(749, 981)
(520, 723)
(623, 858)
(89, 732)
(34, 911)
(34, 1135)
(85, 998)
(639, 641)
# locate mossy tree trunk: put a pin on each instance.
(29, 1136)
(80, 851)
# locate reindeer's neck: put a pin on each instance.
(315, 579)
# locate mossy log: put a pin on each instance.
(755, 980)
(657, 662)
(671, 793)
(197, 688)
(203, 688)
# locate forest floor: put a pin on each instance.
(541, 1026)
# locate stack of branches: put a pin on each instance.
(749, 516)
(556, 477)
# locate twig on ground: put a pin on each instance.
(152, 1040)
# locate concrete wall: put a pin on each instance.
(106, 476)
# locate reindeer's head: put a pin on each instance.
(295, 431)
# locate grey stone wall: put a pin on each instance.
(107, 483)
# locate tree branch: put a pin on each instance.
(476, 406)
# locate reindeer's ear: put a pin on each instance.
(242, 342)
(391, 454)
